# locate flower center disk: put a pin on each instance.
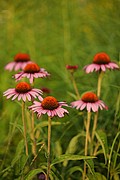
(101, 58)
(89, 97)
(21, 57)
(22, 87)
(50, 103)
(31, 68)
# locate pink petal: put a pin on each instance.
(103, 67)
(15, 96)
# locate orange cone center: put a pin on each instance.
(22, 87)
(101, 58)
(21, 57)
(89, 97)
(50, 103)
(31, 68)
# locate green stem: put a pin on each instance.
(75, 86)
(98, 94)
(49, 143)
(99, 83)
(33, 137)
(24, 127)
(86, 141)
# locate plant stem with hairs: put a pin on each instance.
(75, 86)
(86, 141)
(49, 143)
(24, 127)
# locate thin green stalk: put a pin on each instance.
(32, 136)
(98, 94)
(75, 86)
(49, 143)
(99, 83)
(24, 127)
(86, 141)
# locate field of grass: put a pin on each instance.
(56, 33)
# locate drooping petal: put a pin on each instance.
(10, 66)
(103, 67)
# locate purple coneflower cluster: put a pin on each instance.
(24, 91)
(50, 105)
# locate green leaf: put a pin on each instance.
(72, 157)
(102, 138)
(33, 172)
(72, 147)
(58, 148)
(74, 169)
(96, 176)
(90, 165)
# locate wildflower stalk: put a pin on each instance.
(32, 133)
(49, 142)
(74, 85)
(24, 127)
(86, 141)
(32, 136)
(98, 94)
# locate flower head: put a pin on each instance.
(23, 91)
(20, 61)
(89, 101)
(31, 71)
(101, 62)
(71, 68)
(49, 106)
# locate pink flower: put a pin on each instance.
(89, 101)
(31, 71)
(101, 62)
(49, 106)
(20, 61)
(23, 91)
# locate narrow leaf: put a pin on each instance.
(74, 169)
(112, 147)
(72, 157)
(32, 173)
(102, 138)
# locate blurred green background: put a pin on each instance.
(56, 33)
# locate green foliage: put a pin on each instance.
(102, 138)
